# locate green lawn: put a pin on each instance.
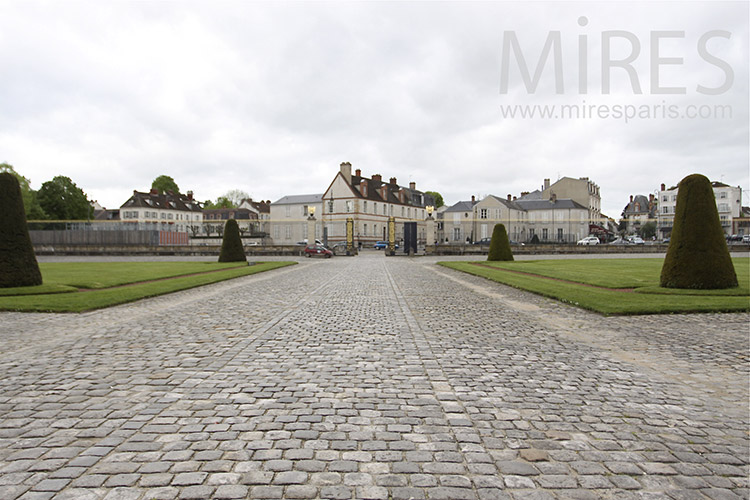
(83, 286)
(640, 276)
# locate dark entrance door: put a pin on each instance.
(410, 237)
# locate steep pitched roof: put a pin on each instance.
(548, 204)
(299, 199)
(163, 201)
(461, 206)
(379, 191)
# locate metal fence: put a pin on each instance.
(104, 238)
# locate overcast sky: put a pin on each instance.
(270, 98)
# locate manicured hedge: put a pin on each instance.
(499, 245)
(231, 244)
(18, 265)
(697, 256)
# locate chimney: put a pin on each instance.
(413, 186)
(346, 171)
(154, 191)
(358, 173)
(631, 198)
(514, 198)
(190, 195)
(393, 181)
(509, 197)
(377, 177)
(663, 187)
(651, 197)
(473, 199)
(546, 183)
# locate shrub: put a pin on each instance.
(18, 265)
(499, 244)
(231, 244)
(534, 240)
(697, 256)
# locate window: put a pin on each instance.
(364, 207)
(348, 206)
(483, 229)
(170, 216)
(531, 232)
(163, 215)
(723, 207)
(483, 214)
(304, 211)
(665, 210)
(330, 206)
(456, 234)
(665, 198)
(559, 234)
(375, 208)
(288, 232)
(402, 211)
(723, 195)
(456, 218)
(287, 211)
(364, 229)
(544, 234)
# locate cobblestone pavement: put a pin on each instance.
(371, 378)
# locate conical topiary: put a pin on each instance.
(231, 244)
(697, 256)
(499, 245)
(18, 265)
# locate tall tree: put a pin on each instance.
(30, 201)
(165, 183)
(61, 199)
(438, 198)
(235, 196)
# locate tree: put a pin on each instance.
(165, 183)
(61, 199)
(648, 230)
(231, 244)
(235, 197)
(437, 197)
(30, 200)
(499, 245)
(18, 265)
(697, 256)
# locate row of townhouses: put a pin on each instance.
(564, 211)
(659, 208)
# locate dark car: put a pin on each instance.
(483, 241)
(318, 251)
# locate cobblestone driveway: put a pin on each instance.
(371, 378)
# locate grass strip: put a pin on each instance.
(80, 301)
(603, 300)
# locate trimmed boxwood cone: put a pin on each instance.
(231, 244)
(499, 244)
(18, 265)
(697, 256)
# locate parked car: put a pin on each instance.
(318, 251)
(588, 240)
(304, 242)
(746, 239)
(382, 245)
(483, 241)
(637, 240)
(619, 241)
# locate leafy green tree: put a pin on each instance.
(18, 265)
(499, 245)
(697, 256)
(231, 244)
(30, 201)
(235, 197)
(61, 199)
(165, 183)
(438, 198)
(648, 230)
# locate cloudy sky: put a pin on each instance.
(269, 98)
